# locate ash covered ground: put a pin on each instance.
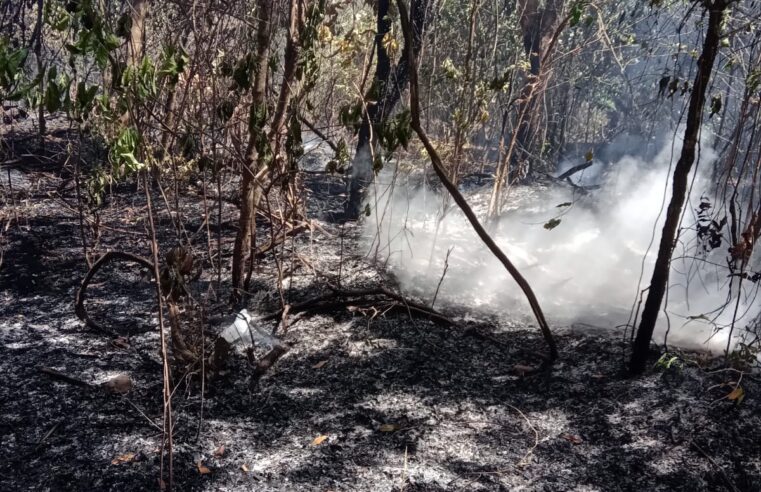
(402, 403)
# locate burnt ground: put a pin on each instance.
(398, 403)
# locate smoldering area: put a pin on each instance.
(588, 255)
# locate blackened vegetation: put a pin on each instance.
(709, 231)
(404, 400)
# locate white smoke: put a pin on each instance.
(586, 270)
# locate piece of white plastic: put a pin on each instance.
(246, 330)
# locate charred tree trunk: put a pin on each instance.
(384, 93)
(659, 280)
(136, 46)
(462, 127)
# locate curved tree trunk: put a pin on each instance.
(438, 167)
(659, 280)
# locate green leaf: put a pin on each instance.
(85, 97)
(52, 97)
(577, 9)
(132, 163)
(244, 71)
(552, 223)
(16, 59)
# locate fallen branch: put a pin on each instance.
(574, 170)
(317, 132)
(364, 298)
(58, 375)
(279, 238)
(267, 361)
(79, 303)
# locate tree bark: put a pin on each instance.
(40, 68)
(249, 179)
(385, 92)
(137, 31)
(538, 21)
(659, 280)
(540, 33)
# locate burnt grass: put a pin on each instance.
(402, 403)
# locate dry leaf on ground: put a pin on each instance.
(123, 458)
(120, 384)
(573, 438)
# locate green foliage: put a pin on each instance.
(172, 63)
(308, 65)
(94, 39)
(667, 361)
(552, 223)
(577, 10)
(293, 145)
(753, 80)
(340, 159)
(450, 71)
(244, 72)
(141, 80)
(57, 17)
(122, 152)
(11, 73)
(256, 127)
(124, 25)
(396, 131)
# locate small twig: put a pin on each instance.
(41, 441)
(443, 274)
(317, 132)
(65, 377)
(533, 429)
(166, 379)
(730, 485)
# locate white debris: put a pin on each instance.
(245, 329)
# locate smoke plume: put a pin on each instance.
(588, 255)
